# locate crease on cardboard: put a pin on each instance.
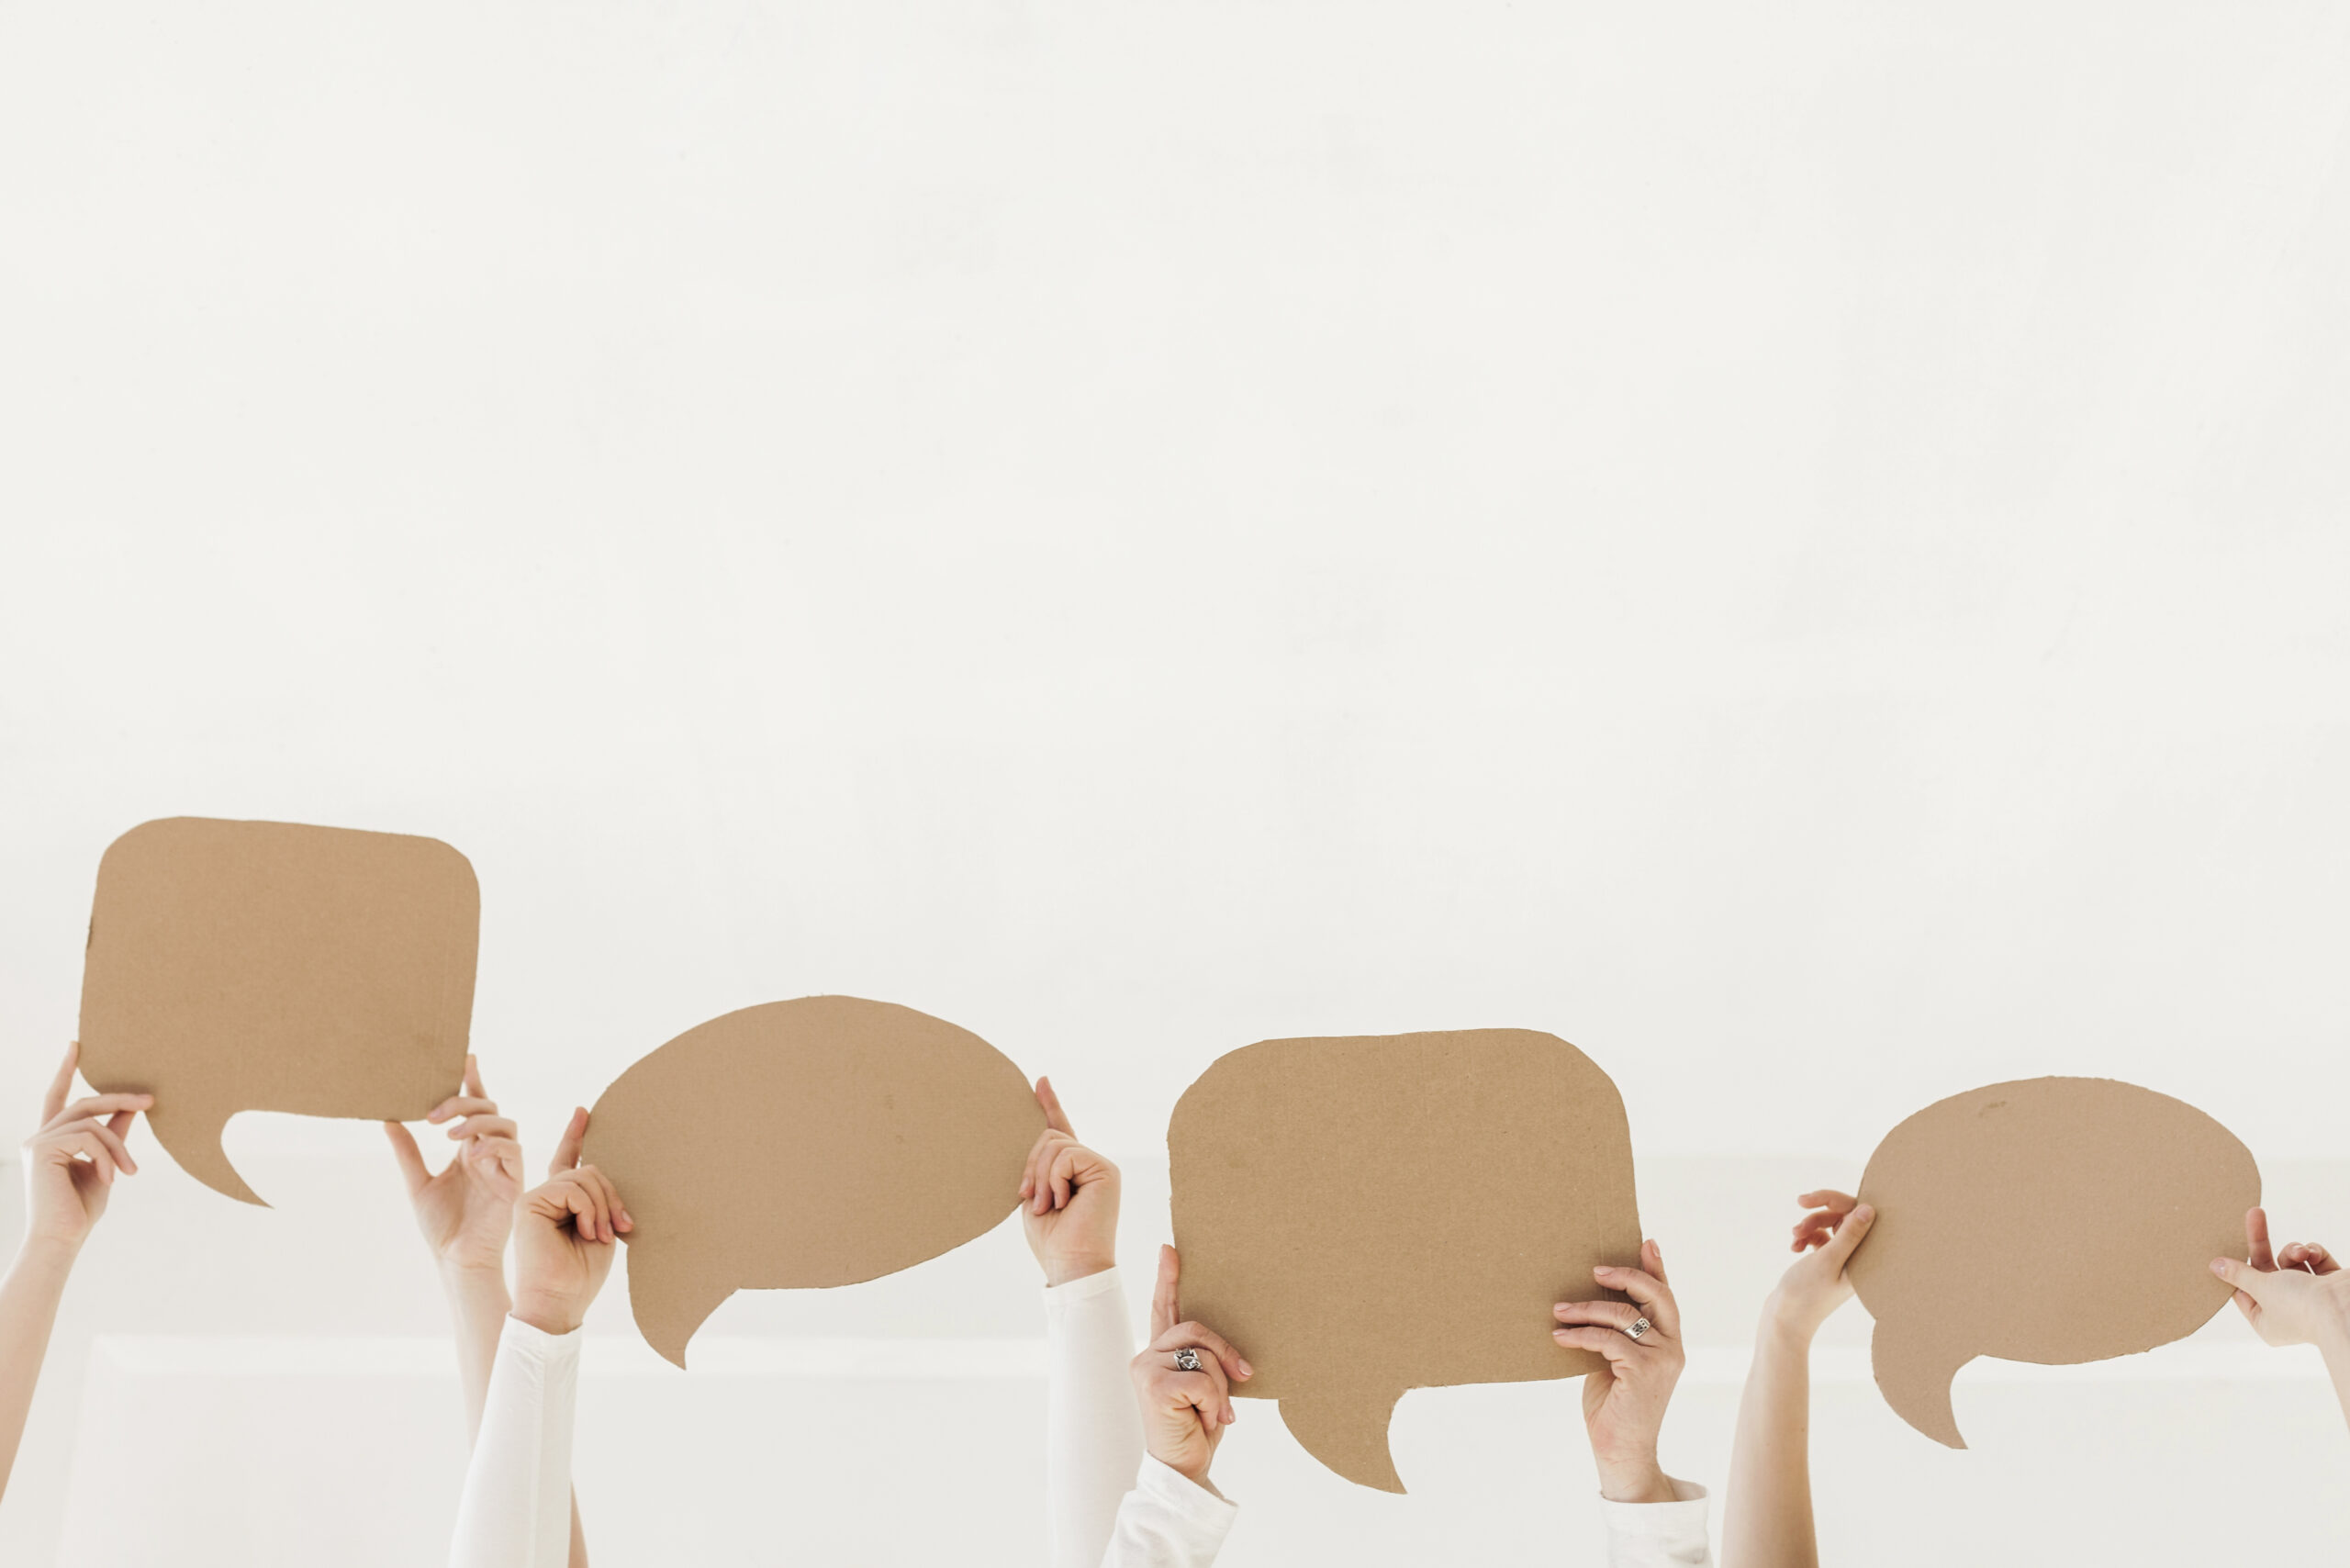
(255, 966)
(1365, 1215)
(2053, 1220)
(806, 1144)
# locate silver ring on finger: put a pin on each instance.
(1187, 1359)
(1639, 1327)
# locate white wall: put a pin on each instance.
(1799, 548)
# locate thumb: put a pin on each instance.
(566, 1148)
(2247, 1279)
(404, 1149)
(1850, 1235)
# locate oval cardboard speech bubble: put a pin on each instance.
(2054, 1220)
(819, 1142)
(241, 965)
(1366, 1215)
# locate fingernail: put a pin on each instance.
(1601, 1270)
(1248, 1371)
(2220, 1266)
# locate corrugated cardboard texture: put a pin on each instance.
(1365, 1215)
(238, 966)
(817, 1142)
(2052, 1220)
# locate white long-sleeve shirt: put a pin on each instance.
(516, 1511)
(1092, 1431)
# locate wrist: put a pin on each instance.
(545, 1315)
(45, 1257)
(1783, 1329)
(1633, 1480)
(1069, 1271)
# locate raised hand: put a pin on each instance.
(2299, 1295)
(1623, 1406)
(564, 1231)
(1815, 1287)
(1069, 1199)
(72, 1161)
(1185, 1407)
(466, 1208)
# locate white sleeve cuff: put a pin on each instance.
(1092, 1285)
(1658, 1535)
(538, 1346)
(1210, 1513)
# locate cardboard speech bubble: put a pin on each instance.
(825, 1141)
(245, 966)
(1365, 1215)
(2054, 1220)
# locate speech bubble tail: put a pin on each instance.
(1346, 1433)
(1915, 1376)
(192, 1136)
(669, 1309)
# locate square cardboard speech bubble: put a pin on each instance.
(245, 966)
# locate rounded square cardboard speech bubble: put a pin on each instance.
(820, 1142)
(1365, 1215)
(247, 966)
(2054, 1220)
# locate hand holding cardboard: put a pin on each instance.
(2054, 1220)
(244, 966)
(817, 1142)
(1366, 1215)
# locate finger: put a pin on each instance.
(1064, 1170)
(1617, 1347)
(1206, 1338)
(566, 1148)
(1850, 1235)
(473, 1077)
(1164, 1312)
(1040, 1196)
(461, 1106)
(113, 1142)
(1196, 1391)
(1653, 1255)
(1211, 1369)
(2256, 1240)
(84, 1141)
(1646, 1289)
(2320, 1260)
(617, 1209)
(485, 1126)
(585, 1203)
(1028, 1168)
(1616, 1315)
(2247, 1279)
(96, 1105)
(1055, 1117)
(409, 1158)
(120, 1123)
(62, 1085)
(1828, 1198)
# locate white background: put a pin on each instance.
(1799, 547)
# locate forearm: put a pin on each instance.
(1093, 1435)
(516, 1510)
(2336, 1350)
(1766, 1517)
(477, 1307)
(29, 1300)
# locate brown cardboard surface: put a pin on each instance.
(240, 966)
(810, 1142)
(1364, 1215)
(2053, 1220)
